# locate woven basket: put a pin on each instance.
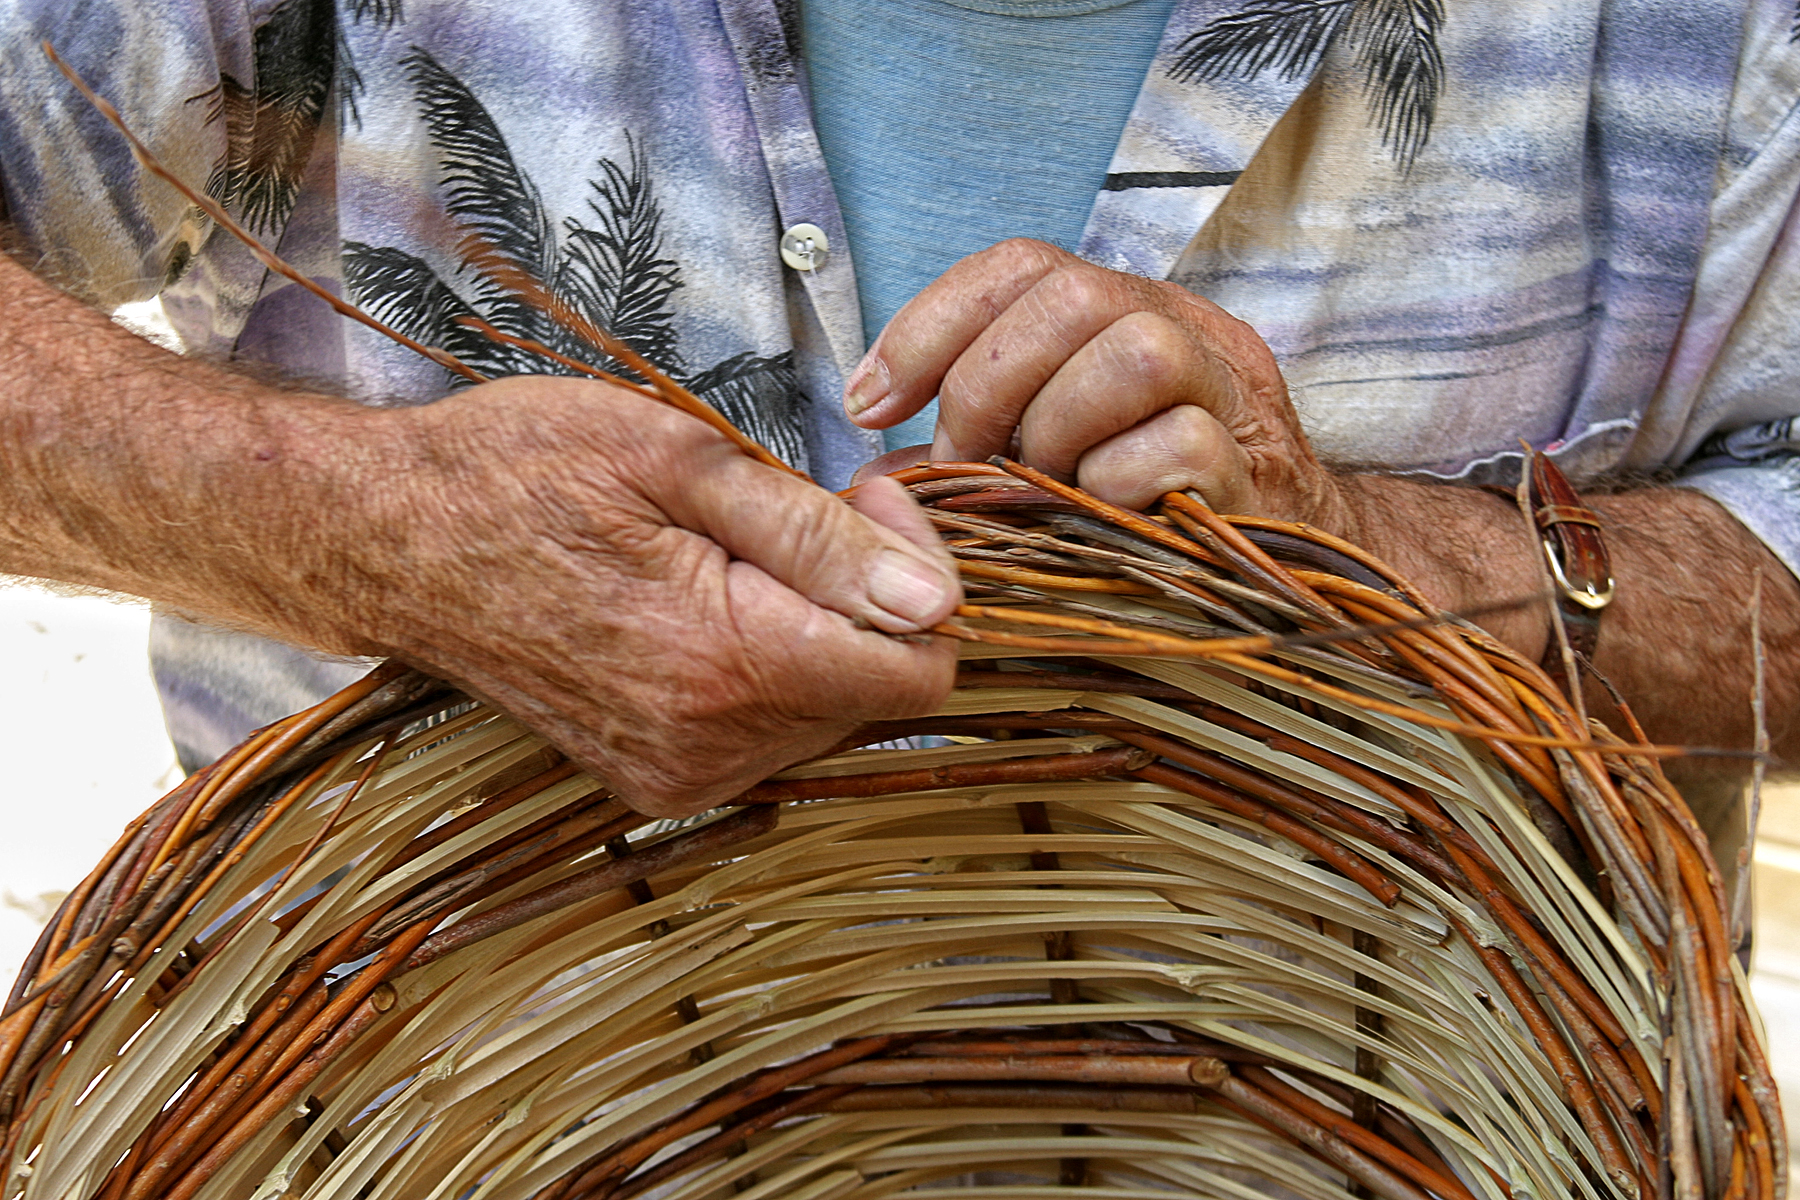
(1232, 869)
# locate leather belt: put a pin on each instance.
(1576, 552)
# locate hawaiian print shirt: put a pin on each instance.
(1457, 223)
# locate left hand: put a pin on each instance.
(1133, 387)
(1129, 387)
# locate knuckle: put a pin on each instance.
(969, 410)
(1187, 425)
(1150, 349)
(962, 396)
(824, 543)
(1078, 286)
(1019, 254)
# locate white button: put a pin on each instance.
(803, 247)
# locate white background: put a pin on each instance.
(82, 747)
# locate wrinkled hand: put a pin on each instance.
(677, 618)
(1134, 387)
(1129, 387)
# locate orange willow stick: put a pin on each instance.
(1149, 641)
(253, 913)
(252, 758)
(14, 1028)
(264, 255)
(1073, 583)
(242, 848)
(1235, 651)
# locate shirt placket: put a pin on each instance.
(809, 233)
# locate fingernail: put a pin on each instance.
(908, 589)
(868, 386)
(943, 449)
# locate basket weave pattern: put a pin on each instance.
(1185, 905)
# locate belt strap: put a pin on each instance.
(1579, 563)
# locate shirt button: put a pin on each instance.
(803, 247)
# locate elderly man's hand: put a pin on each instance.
(676, 617)
(1129, 387)
(679, 619)
(1135, 387)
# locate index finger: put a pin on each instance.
(906, 366)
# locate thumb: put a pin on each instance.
(874, 558)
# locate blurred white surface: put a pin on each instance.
(1778, 1000)
(82, 747)
(148, 320)
(1775, 978)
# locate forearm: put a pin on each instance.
(125, 467)
(1676, 639)
(1682, 650)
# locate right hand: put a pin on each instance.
(678, 619)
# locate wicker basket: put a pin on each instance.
(1231, 869)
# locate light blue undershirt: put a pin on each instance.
(949, 125)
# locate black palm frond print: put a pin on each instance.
(1395, 43)
(747, 389)
(403, 291)
(614, 271)
(497, 207)
(1289, 36)
(1396, 47)
(271, 120)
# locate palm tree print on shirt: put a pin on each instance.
(1395, 43)
(613, 271)
(272, 120)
